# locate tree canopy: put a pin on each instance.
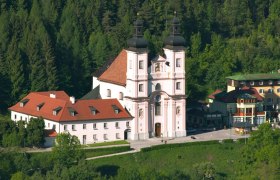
(58, 44)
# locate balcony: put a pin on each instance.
(249, 114)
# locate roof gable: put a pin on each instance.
(116, 72)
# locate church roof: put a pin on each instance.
(61, 104)
(93, 94)
(116, 72)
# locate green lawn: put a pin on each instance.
(106, 143)
(226, 158)
(105, 151)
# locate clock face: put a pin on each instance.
(158, 98)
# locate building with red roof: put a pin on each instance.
(240, 105)
(91, 120)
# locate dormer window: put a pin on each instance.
(23, 102)
(116, 109)
(242, 82)
(93, 110)
(72, 111)
(261, 83)
(270, 90)
(252, 83)
(39, 106)
(270, 82)
(278, 82)
(56, 110)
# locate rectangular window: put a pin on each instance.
(130, 64)
(48, 125)
(127, 124)
(65, 127)
(84, 126)
(94, 137)
(105, 126)
(141, 64)
(261, 91)
(178, 62)
(117, 135)
(15, 116)
(270, 91)
(157, 108)
(141, 88)
(84, 139)
(178, 85)
(105, 137)
(94, 126)
(117, 124)
(73, 127)
(54, 127)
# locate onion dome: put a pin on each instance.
(174, 40)
(137, 42)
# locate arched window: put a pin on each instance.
(157, 105)
(158, 87)
(108, 93)
(121, 96)
(141, 112)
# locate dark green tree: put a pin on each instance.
(35, 132)
(67, 150)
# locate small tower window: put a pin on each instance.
(141, 89)
(141, 112)
(108, 93)
(178, 85)
(141, 64)
(157, 108)
(178, 62)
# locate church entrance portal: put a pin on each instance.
(157, 129)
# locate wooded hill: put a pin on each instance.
(58, 44)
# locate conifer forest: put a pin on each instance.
(58, 44)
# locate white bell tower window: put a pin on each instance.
(141, 89)
(178, 62)
(178, 85)
(141, 64)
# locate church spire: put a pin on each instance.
(137, 42)
(175, 40)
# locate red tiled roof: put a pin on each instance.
(50, 133)
(212, 96)
(116, 72)
(82, 109)
(231, 97)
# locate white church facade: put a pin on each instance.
(133, 97)
(152, 90)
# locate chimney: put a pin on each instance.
(72, 99)
(52, 95)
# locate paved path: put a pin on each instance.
(206, 136)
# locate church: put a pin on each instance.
(133, 96)
(152, 90)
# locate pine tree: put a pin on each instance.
(51, 71)
(16, 70)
